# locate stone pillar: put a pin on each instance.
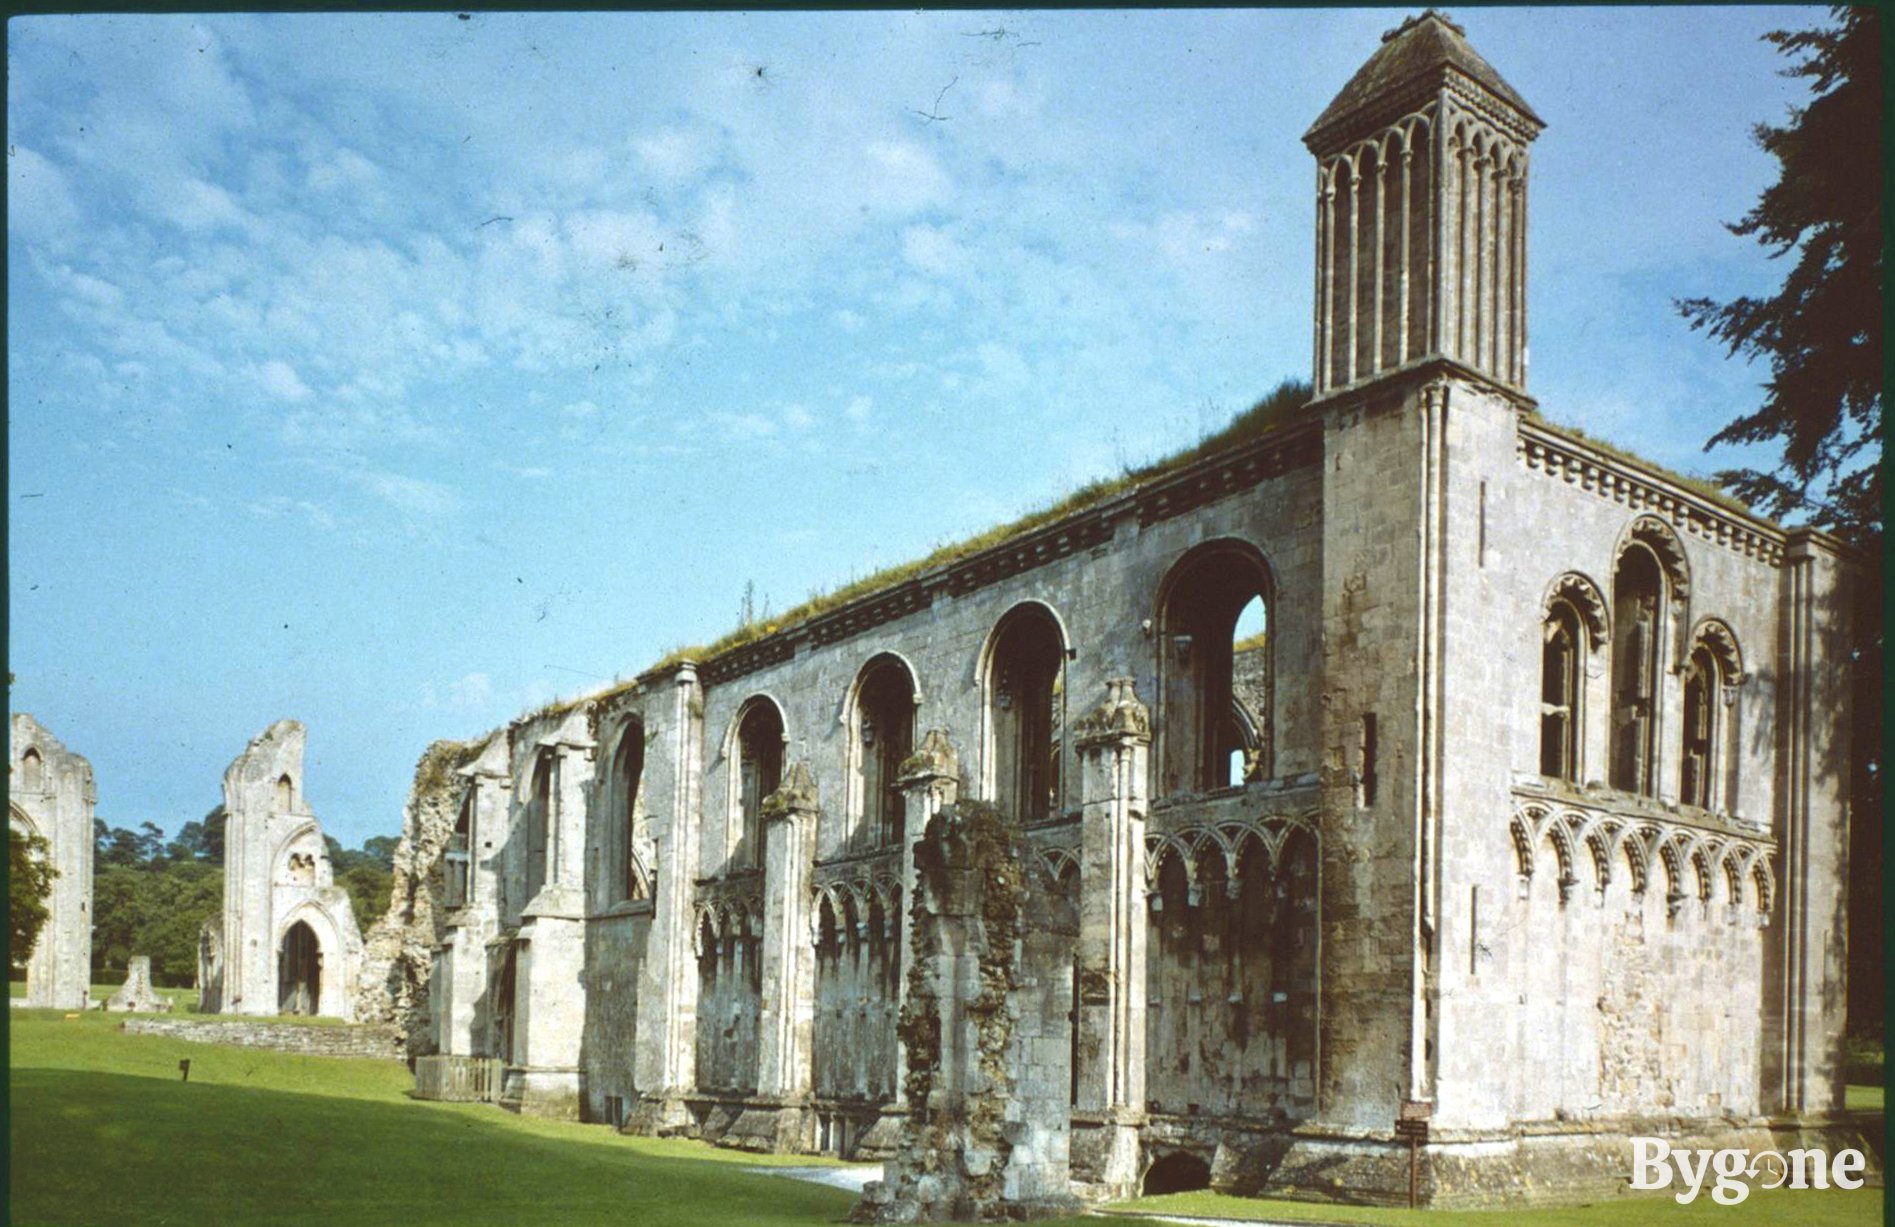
(1807, 955)
(789, 957)
(667, 990)
(983, 1139)
(930, 781)
(550, 1021)
(1114, 743)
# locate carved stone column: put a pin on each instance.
(1114, 744)
(787, 1010)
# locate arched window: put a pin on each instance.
(285, 794)
(458, 856)
(32, 772)
(1700, 728)
(628, 768)
(1562, 653)
(1715, 666)
(884, 730)
(759, 771)
(539, 820)
(1638, 600)
(1024, 672)
(1215, 669)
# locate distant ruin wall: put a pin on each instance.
(356, 1040)
(400, 945)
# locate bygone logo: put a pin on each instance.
(1655, 1164)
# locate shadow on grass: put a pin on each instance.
(111, 1148)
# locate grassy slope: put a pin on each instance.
(104, 1131)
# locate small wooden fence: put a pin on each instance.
(458, 1079)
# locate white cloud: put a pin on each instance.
(901, 177)
(798, 417)
(40, 203)
(859, 408)
(674, 154)
(279, 379)
(580, 410)
(932, 250)
(415, 495)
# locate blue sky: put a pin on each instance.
(397, 373)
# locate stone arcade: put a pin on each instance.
(1415, 756)
(50, 794)
(286, 942)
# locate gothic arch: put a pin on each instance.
(1004, 641)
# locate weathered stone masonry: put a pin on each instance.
(1526, 804)
(50, 793)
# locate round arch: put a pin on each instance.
(1018, 616)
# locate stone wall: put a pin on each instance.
(50, 793)
(399, 947)
(357, 1040)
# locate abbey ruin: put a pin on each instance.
(1414, 760)
(286, 942)
(50, 793)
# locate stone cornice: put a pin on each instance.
(1545, 449)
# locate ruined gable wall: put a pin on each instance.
(58, 808)
(400, 944)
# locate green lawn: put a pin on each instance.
(1783, 1208)
(104, 1131)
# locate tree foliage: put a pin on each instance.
(1821, 333)
(30, 877)
(152, 897)
(1821, 336)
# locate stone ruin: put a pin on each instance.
(136, 995)
(50, 794)
(286, 942)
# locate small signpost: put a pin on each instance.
(1411, 1123)
(184, 1067)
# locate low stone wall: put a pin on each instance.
(344, 1041)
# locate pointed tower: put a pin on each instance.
(1421, 213)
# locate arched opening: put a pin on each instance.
(1562, 639)
(1024, 676)
(885, 731)
(1178, 1172)
(628, 769)
(1638, 591)
(1215, 671)
(1697, 785)
(505, 985)
(458, 857)
(539, 821)
(299, 971)
(32, 772)
(759, 771)
(285, 792)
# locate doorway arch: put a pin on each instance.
(299, 971)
